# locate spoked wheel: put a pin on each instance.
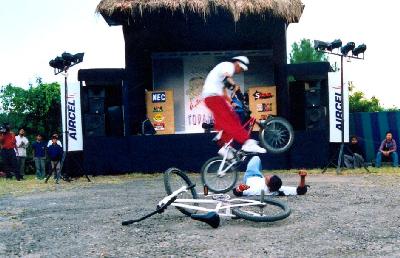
(216, 182)
(269, 211)
(173, 180)
(277, 135)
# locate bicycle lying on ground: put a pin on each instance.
(183, 195)
(220, 174)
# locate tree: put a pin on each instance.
(37, 109)
(303, 52)
(359, 103)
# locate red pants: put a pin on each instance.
(226, 119)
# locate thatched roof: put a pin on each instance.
(290, 10)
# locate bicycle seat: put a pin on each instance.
(211, 218)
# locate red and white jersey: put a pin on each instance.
(214, 83)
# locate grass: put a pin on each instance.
(31, 185)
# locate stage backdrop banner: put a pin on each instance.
(262, 102)
(74, 117)
(335, 113)
(160, 110)
(195, 71)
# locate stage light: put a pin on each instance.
(320, 45)
(65, 61)
(334, 44)
(57, 63)
(347, 48)
(359, 50)
(79, 57)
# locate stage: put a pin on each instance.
(151, 154)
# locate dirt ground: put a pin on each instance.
(340, 216)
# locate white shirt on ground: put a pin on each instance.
(258, 183)
(214, 83)
(21, 143)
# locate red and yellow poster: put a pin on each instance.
(160, 110)
(262, 102)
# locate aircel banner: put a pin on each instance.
(74, 117)
(335, 108)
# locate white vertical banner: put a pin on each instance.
(335, 106)
(74, 117)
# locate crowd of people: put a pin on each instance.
(14, 150)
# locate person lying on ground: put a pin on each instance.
(254, 182)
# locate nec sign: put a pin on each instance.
(158, 97)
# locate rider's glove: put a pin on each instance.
(242, 187)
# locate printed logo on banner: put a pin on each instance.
(158, 118)
(264, 107)
(261, 95)
(159, 126)
(157, 109)
(158, 97)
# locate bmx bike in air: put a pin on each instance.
(220, 174)
(183, 195)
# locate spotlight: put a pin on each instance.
(65, 61)
(359, 50)
(320, 45)
(347, 48)
(79, 57)
(334, 44)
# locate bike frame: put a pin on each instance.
(223, 203)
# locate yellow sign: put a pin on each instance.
(262, 102)
(160, 110)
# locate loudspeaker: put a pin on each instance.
(96, 105)
(308, 104)
(96, 92)
(95, 125)
(115, 121)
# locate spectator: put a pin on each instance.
(354, 157)
(388, 149)
(39, 156)
(55, 153)
(21, 143)
(8, 153)
(51, 140)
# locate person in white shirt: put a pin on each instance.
(254, 182)
(20, 150)
(226, 120)
(50, 142)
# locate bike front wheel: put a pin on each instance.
(173, 180)
(269, 210)
(276, 135)
(218, 175)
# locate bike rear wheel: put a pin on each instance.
(173, 180)
(277, 210)
(276, 135)
(214, 182)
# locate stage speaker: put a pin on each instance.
(96, 92)
(94, 125)
(96, 105)
(315, 117)
(312, 97)
(115, 121)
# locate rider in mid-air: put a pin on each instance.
(226, 120)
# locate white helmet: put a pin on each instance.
(243, 62)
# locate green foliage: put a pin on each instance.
(37, 109)
(304, 52)
(359, 103)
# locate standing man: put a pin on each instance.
(21, 143)
(225, 118)
(8, 153)
(55, 153)
(39, 156)
(388, 148)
